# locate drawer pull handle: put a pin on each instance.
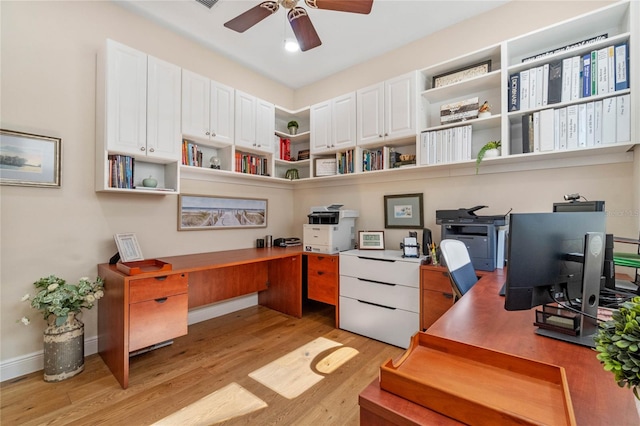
(373, 258)
(161, 300)
(448, 295)
(376, 304)
(164, 277)
(320, 273)
(376, 282)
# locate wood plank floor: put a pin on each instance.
(214, 354)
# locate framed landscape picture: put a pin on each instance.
(209, 212)
(29, 160)
(403, 211)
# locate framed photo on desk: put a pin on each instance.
(371, 240)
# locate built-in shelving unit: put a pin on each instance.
(365, 121)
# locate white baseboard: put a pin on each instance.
(25, 364)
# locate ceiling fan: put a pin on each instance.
(298, 18)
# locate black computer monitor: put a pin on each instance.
(548, 261)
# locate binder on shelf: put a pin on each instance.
(562, 143)
(586, 75)
(609, 121)
(582, 125)
(622, 66)
(612, 68)
(524, 89)
(567, 65)
(597, 123)
(590, 124)
(575, 78)
(556, 129)
(547, 139)
(527, 133)
(555, 82)
(594, 72)
(545, 84)
(623, 118)
(536, 131)
(572, 126)
(603, 71)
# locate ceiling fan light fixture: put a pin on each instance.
(291, 45)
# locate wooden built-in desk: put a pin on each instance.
(479, 319)
(145, 309)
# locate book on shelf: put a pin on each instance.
(597, 123)
(514, 92)
(567, 65)
(608, 121)
(524, 89)
(582, 125)
(446, 145)
(590, 111)
(285, 149)
(612, 69)
(586, 75)
(547, 126)
(527, 133)
(121, 171)
(575, 77)
(545, 84)
(555, 82)
(191, 154)
(562, 128)
(533, 88)
(572, 126)
(623, 118)
(594, 72)
(251, 164)
(603, 71)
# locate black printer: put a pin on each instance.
(481, 234)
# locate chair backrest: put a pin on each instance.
(461, 272)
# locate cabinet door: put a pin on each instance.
(245, 119)
(320, 116)
(126, 99)
(195, 105)
(265, 125)
(370, 106)
(343, 121)
(400, 109)
(163, 110)
(222, 113)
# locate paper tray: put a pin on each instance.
(142, 266)
(479, 386)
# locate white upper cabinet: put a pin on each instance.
(163, 109)
(333, 124)
(388, 110)
(207, 109)
(255, 122)
(142, 104)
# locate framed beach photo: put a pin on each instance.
(403, 211)
(197, 212)
(29, 160)
(371, 240)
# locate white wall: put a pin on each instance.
(48, 87)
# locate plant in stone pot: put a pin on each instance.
(618, 346)
(293, 127)
(490, 149)
(60, 304)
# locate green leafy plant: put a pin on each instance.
(618, 345)
(55, 297)
(292, 123)
(484, 149)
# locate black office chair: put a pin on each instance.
(461, 272)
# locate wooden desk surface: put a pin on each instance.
(479, 318)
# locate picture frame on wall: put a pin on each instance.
(403, 211)
(198, 212)
(462, 74)
(371, 240)
(29, 160)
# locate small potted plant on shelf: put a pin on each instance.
(618, 346)
(293, 127)
(489, 150)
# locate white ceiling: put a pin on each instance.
(347, 38)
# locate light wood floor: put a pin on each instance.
(214, 354)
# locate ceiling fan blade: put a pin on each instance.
(303, 29)
(353, 6)
(248, 19)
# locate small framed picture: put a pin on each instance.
(29, 160)
(128, 247)
(371, 240)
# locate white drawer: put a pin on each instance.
(390, 295)
(393, 326)
(378, 269)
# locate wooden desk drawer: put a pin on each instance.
(436, 278)
(322, 278)
(155, 321)
(157, 287)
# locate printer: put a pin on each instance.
(330, 230)
(484, 236)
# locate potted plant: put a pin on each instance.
(60, 304)
(293, 127)
(490, 149)
(618, 346)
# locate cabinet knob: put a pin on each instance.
(152, 150)
(207, 133)
(386, 134)
(142, 148)
(213, 134)
(379, 136)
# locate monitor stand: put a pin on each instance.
(593, 261)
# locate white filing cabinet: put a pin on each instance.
(380, 295)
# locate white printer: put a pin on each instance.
(330, 230)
